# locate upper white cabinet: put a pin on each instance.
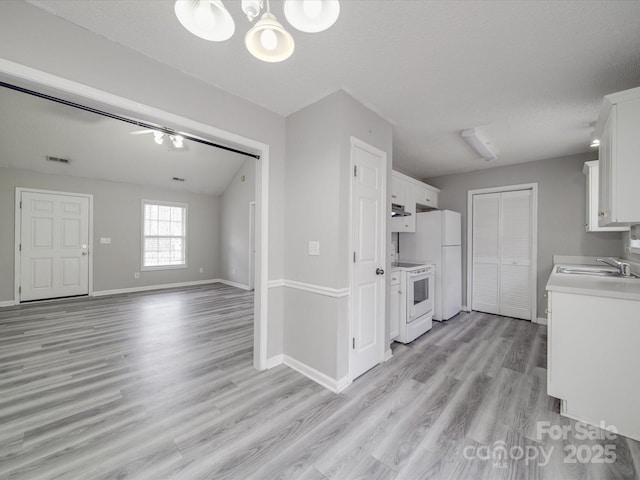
(592, 172)
(617, 128)
(410, 193)
(426, 196)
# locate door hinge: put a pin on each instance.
(20, 247)
(354, 343)
(354, 257)
(355, 170)
(19, 289)
(20, 203)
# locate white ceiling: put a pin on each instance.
(33, 128)
(529, 74)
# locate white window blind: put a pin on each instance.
(164, 242)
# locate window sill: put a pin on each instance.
(164, 267)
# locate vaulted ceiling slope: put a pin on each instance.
(33, 128)
(529, 74)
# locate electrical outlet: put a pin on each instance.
(201, 270)
(136, 275)
(105, 240)
(314, 247)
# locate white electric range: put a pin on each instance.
(416, 299)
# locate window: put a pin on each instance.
(634, 239)
(164, 239)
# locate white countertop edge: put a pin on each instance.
(621, 288)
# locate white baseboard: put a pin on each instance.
(147, 288)
(387, 355)
(275, 361)
(336, 386)
(465, 309)
(7, 303)
(234, 284)
(541, 321)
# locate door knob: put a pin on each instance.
(379, 271)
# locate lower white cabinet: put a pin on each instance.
(394, 302)
(593, 359)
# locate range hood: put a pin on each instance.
(397, 210)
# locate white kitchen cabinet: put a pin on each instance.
(397, 190)
(592, 171)
(402, 193)
(394, 302)
(410, 193)
(426, 197)
(617, 128)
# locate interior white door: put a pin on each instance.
(486, 253)
(502, 253)
(368, 285)
(54, 241)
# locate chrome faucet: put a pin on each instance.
(624, 268)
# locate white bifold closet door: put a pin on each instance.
(502, 253)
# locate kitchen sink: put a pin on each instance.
(597, 271)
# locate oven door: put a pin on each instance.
(419, 295)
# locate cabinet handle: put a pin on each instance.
(394, 196)
(601, 214)
(546, 310)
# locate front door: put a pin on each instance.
(54, 245)
(368, 285)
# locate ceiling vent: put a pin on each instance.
(59, 160)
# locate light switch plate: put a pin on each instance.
(314, 247)
(105, 240)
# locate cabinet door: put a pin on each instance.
(592, 198)
(397, 190)
(394, 316)
(604, 183)
(409, 222)
(425, 197)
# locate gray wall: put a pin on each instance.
(234, 224)
(74, 53)
(561, 210)
(117, 214)
(318, 181)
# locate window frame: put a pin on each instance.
(634, 239)
(163, 203)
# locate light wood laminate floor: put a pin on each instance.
(161, 385)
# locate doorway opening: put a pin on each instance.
(76, 93)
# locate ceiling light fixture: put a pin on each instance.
(267, 40)
(479, 144)
(312, 16)
(206, 19)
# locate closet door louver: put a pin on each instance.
(515, 259)
(486, 252)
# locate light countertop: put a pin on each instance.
(611, 287)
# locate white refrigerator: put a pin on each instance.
(438, 240)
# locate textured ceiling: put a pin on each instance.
(529, 74)
(33, 128)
